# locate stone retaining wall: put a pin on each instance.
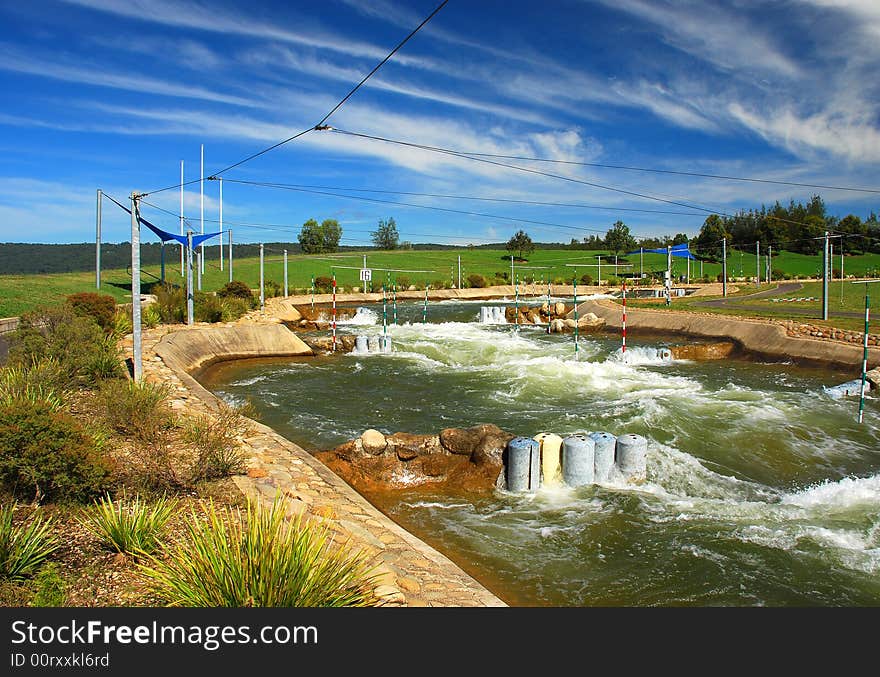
(411, 573)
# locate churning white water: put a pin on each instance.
(760, 491)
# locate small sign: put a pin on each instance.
(366, 275)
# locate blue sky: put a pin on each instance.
(113, 94)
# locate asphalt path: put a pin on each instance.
(814, 312)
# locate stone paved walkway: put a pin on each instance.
(411, 572)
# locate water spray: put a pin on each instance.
(425, 308)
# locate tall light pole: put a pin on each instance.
(98, 240)
(221, 224)
(202, 212)
(825, 278)
(181, 215)
(137, 348)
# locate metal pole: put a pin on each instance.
(199, 270)
(599, 271)
(162, 261)
(230, 254)
(724, 265)
(181, 218)
(137, 347)
(394, 300)
(511, 269)
(758, 263)
(189, 277)
(825, 278)
(98, 241)
(770, 263)
(841, 273)
(864, 359)
(668, 275)
(202, 211)
(262, 288)
(285, 273)
(221, 224)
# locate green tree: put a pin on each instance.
(618, 239)
(385, 236)
(711, 234)
(520, 243)
(331, 232)
(311, 238)
(680, 238)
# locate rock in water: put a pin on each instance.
(373, 441)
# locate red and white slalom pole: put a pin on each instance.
(334, 313)
(623, 348)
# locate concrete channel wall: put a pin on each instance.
(758, 337)
(411, 573)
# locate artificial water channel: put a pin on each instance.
(761, 490)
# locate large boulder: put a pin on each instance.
(559, 309)
(466, 460)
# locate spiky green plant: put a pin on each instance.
(41, 381)
(24, 547)
(259, 559)
(128, 525)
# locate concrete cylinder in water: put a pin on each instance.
(484, 315)
(606, 444)
(632, 457)
(523, 464)
(551, 449)
(361, 344)
(373, 344)
(386, 344)
(499, 317)
(578, 460)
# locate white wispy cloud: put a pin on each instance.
(212, 17)
(14, 60)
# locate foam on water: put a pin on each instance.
(362, 317)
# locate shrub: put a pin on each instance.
(139, 409)
(402, 283)
(476, 280)
(272, 289)
(43, 381)
(233, 308)
(560, 280)
(122, 323)
(77, 343)
(323, 284)
(215, 442)
(23, 547)
(586, 279)
(129, 526)
(612, 281)
(171, 303)
(261, 560)
(207, 308)
(238, 290)
(49, 587)
(100, 307)
(150, 316)
(48, 454)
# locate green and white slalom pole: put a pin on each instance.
(575, 284)
(425, 309)
(864, 360)
(313, 294)
(394, 300)
(384, 318)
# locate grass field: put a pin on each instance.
(19, 293)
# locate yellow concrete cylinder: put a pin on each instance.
(551, 450)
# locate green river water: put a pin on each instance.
(762, 490)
